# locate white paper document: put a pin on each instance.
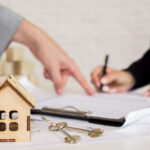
(130, 105)
(103, 105)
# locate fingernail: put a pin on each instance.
(104, 80)
(59, 91)
(105, 89)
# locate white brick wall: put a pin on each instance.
(88, 29)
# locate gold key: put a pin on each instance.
(92, 133)
(60, 127)
(69, 138)
(76, 137)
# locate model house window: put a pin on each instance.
(13, 126)
(13, 114)
(2, 126)
(2, 115)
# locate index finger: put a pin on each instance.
(75, 72)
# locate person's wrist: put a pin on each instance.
(131, 80)
(27, 34)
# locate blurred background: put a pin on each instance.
(88, 30)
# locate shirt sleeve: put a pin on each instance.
(9, 22)
(140, 70)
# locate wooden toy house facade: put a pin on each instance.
(15, 104)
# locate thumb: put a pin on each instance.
(109, 78)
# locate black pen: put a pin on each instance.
(104, 70)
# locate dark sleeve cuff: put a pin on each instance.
(140, 70)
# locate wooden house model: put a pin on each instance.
(15, 104)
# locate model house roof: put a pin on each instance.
(20, 89)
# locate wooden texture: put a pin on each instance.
(15, 54)
(1, 67)
(7, 140)
(33, 78)
(28, 123)
(9, 68)
(19, 88)
(16, 65)
(10, 100)
(14, 98)
(23, 67)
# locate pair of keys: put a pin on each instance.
(61, 126)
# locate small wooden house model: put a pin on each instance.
(15, 104)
